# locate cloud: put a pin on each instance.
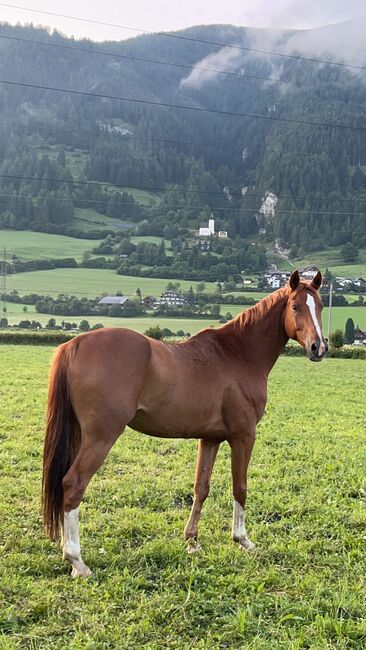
(297, 14)
(225, 60)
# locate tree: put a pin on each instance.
(84, 326)
(154, 332)
(336, 339)
(349, 252)
(25, 309)
(349, 332)
(138, 293)
(51, 324)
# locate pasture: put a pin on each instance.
(91, 282)
(193, 325)
(302, 588)
(39, 245)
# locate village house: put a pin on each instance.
(308, 272)
(170, 298)
(113, 300)
(149, 302)
(277, 279)
(360, 336)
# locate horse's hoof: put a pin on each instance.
(193, 546)
(245, 544)
(81, 571)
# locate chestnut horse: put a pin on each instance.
(212, 387)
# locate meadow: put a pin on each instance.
(302, 588)
(140, 324)
(91, 282)
(38, 245)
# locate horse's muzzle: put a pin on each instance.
(317, 350)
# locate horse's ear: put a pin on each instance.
(317, 281)
(294, 280)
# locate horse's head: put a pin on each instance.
(303, 316)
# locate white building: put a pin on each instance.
(207, 232)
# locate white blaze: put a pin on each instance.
(311, 304)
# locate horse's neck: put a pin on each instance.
(263, 338)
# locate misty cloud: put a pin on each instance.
(225, 60)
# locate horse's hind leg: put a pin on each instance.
(241, 449)
(95, 445)
(207, 451)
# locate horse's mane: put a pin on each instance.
(255, 313)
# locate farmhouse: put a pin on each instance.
(171, 298)
(149, 302)
(308, 272)
(347, 282)
(277, 279)
(113, 300)
(360, 336)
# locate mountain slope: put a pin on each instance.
(318, 169)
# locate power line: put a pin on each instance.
(213, 208)
(105, 131)
(199, 109)
(130, 57)
(148, 188)
(185, 38)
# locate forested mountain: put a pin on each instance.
(315, 172)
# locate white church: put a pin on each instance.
(207, 232)
(210, 230)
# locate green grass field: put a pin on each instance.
(38, 245)
(333, 260)
(90, 282)
(302, 588)
(88, 219)
(15, 314)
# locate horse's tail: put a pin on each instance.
(61, 442)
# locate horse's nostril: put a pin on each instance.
(314, 348)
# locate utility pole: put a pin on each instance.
(330, 309)
(3, 274)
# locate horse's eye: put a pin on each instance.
(296, 307)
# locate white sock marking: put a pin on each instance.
(71, 544)
(239, 531)
(311, 304)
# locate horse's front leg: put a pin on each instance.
(241, 450)
(207, 450)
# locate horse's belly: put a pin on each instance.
(173, 421)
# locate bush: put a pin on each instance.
(84, 326)
(337, 339)
(154, 332)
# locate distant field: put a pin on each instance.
(303, 588)
(30, 245)
(332, 260)
(15, 314)
(91, 282)
(88, 219)
(340, 315)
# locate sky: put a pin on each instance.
(165, 15)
